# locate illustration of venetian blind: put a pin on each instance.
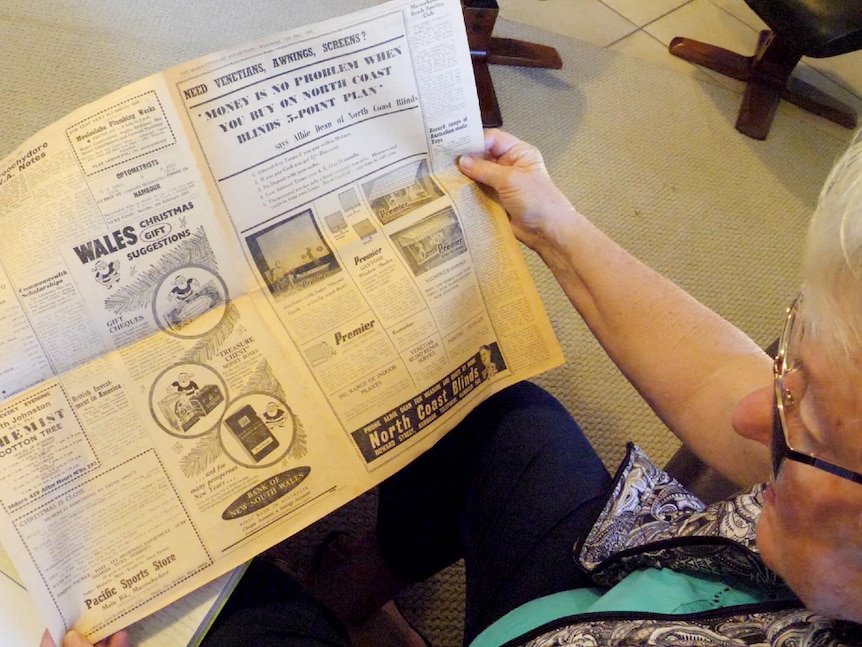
(395, 181)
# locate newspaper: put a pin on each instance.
(239, 293)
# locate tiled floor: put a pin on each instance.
(643, 29)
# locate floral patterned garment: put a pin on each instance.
(651, 521)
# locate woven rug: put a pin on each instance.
(653, 158)
(650, 155)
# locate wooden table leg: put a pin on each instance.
(479, 19)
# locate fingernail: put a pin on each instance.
(465, 161)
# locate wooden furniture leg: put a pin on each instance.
(767, 74)
(485, 49)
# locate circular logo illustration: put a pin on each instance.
(190, 301)
(188, 400)
(258, 430)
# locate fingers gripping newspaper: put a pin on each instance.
(237, 294)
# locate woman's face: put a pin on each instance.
(810, 531)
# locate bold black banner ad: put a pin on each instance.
(385, 433)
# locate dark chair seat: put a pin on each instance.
(698, 478)
(819, 28)
(796, 28)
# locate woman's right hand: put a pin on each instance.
(516, 171)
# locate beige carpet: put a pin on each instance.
(652, 157)
(649, 154)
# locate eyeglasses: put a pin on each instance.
(791, 438)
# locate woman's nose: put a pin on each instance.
(752, 417)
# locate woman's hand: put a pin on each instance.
(516, 171)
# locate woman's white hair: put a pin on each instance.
(832, 262)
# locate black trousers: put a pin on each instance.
(509, 490)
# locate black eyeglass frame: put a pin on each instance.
(779, 448)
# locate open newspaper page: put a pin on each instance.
(236, 295)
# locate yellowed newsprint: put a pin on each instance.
(239, 293)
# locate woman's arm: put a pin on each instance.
(690, 365)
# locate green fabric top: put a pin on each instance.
(650, 590)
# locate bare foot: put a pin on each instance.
(350, 578)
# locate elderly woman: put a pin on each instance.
(559, 553)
